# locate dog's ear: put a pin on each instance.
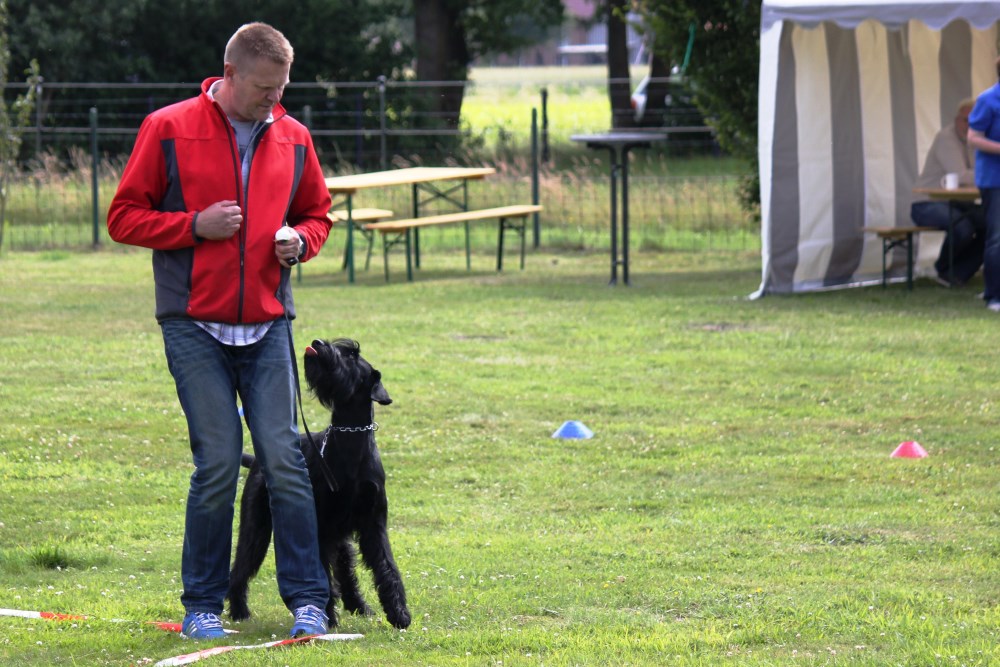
(379, 394)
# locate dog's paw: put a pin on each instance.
(239, 612)
(400, 618)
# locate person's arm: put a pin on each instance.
(307, 213)
(979, 141)
(135, 216)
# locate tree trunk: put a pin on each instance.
(656, 93)
(619, 82)
(442, 56)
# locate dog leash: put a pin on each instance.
(323, 468)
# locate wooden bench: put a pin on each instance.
(361, 215)
(397, 231)
(898, 236)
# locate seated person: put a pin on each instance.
(950, 154)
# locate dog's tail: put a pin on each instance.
(247, 460)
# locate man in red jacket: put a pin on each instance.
(209, 183)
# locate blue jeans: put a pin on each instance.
(991, 258)
(209, 376)
(966, 240)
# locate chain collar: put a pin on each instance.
(345, 429)
(354, 429)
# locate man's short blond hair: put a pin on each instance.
(258, 40)
(967, 103)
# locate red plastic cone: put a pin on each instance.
(909, 450)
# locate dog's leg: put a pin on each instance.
(252, 544)
(377, 554)
(328, 556)
(378, 557)
(344, 573)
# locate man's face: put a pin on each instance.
(255, 88)
(962, 121)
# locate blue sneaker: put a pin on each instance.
(202, 625)
(309, 620)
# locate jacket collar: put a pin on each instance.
(206, 87)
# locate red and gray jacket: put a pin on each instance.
(185, 159)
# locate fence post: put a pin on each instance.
(536, 237)
(545, 126)
(38, 117)
(382, 160)
(95, 165)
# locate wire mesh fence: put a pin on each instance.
(666, 212)
(520, 128)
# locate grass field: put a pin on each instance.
(501, 99)
(737, 505)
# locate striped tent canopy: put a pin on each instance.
(851, 95)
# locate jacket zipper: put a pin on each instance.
(234, 153)
(237, 172)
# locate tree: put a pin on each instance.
(619, 75)
(128, 40)
(11, 120)
(723, 68)
(183, 41)
(619, 78)
(450, 34)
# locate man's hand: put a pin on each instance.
(287, 245)
(219, 221)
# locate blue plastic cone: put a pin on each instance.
(573, 429)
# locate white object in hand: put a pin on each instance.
(284, 234)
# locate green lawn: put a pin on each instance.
(737, 505)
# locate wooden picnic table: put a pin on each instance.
(420, 179)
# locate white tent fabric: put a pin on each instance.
(851, 95)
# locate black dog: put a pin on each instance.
(350, 493)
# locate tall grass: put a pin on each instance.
(667, 211)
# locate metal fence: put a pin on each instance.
(82, 133)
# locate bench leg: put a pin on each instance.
(909, 261)
(371, 242)
(501, 228)
(519, 227)
(370, 236)
(385, 255)
(409, 255)
(524, 235)
(886, 248)
(468, 249)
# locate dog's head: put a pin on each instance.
(341, 378)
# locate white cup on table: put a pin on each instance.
(949, 181)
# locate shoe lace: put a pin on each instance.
(206, 621)
(310, 615)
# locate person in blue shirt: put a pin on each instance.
(984, 136)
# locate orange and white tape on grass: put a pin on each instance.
(189, 658)
(55, 616)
